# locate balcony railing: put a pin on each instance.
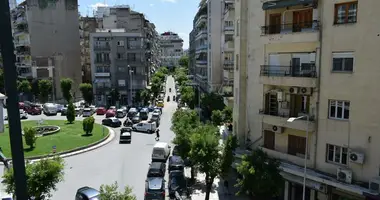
(228, 82)
(102, 61)
(290, 28)
(305, 70)
(285, 114)
(102, 48)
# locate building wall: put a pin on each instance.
(54, 31)
(359, 133)
(171, 49)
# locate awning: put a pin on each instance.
(285, 3)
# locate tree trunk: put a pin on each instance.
(209, 181)
(192, 172)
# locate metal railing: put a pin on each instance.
(102, 48)
(305, 70)
(102, 61)
(284, 114)
(290, 27)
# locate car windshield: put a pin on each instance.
(115, 120)
(95, 198)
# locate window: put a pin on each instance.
(120, 43)
(99, 69)
(343, 62)
(228, 23)
(346, 13)
(339, 109)
(237, 27)
(121, 83)
(131, 56)
(336, 154)
(119, 56)
(296, 145)
(121, 69)
(237, 62)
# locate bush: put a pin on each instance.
(70, 116)
(30, 135)
(217, 117)
(88, 125)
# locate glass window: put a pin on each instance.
(339, 109)
(346, 13)
(343, 62)
(336, 154)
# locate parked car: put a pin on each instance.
(101, 111)
(112, 108)
(78, 110)
(33, 110)
(177, 182)
(59, 107)
(112, 122)
(155, 188)
(155, 118)
(21, 105)
(49, 109)
(144, 113)
(136, 119)
(110, 113)
(156, 169)
(23, 114)
(151, 108)
(176, 163)
(87, 112)
(120, 113)
(156, 111)
(87, 193)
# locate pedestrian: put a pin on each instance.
(226, 187)
(157, 134)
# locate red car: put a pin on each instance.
(110, 113)
(33, 110)
(21, 105)
(101, 111)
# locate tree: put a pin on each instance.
(30, 136)
(66, 85)
(188, 95)
(184, 61)
(70, 115)
(156, 86)
(24, 86)
(228, 155)
(205, 154)
(2, 86)
(137, 98)
(41, 177)
(87, 93)
(227, 114)
(145, 96)
(163, 70)
(88, 125)
(217, 117)
(211, 101)
(115, 96)
(45, 88)
(160, 75)
(260, 175)
(111, 192)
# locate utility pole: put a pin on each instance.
(10, 76)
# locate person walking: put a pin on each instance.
(157, 134)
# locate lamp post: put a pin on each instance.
(292, 119)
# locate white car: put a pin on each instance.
(145, 126)
(156, 111)
(23, 114)
(87, 112)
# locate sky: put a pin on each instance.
(168, 15)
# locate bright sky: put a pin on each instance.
(168, 15)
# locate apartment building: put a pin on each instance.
(87, 25)
(47, 46)
(207, 27)
(171, 49)
(192, 66)
(124, 53)
(228, 52)
(304, 83)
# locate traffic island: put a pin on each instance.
(69, 138)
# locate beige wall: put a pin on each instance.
(361, 131)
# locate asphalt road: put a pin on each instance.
(125, 163)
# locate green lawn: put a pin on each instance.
(69, 137)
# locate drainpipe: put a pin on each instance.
(315, 137)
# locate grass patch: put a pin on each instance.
(69, 137)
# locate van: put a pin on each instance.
(145, 126)
(161, 152)
(120, 113)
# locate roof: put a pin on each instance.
(155, 183)
(155, 165)
(160, 145)
(88, 191)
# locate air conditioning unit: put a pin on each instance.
(374, 185)
(278, 129)
(305, 91)
(356, 157)
(344, 175)
(293, 90)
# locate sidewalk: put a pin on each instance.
(218, 192)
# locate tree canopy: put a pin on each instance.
(184, 61)
(87, 92)
(66, 85)
(45, 88)
(188, 95)
(111, 192)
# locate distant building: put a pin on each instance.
(87, 25)
(47, 45)
(171, 49)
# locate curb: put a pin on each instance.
(110, 136)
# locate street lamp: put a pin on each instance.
(292, 119)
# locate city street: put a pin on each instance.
(125, 163)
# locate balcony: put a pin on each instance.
(201, 34)
(229, 75)
(229, 30)
(228, 65)
(201, 62)
(280, 119)
(102, 74)
(286, 157)
(300, 76)
(291, 32)
(202, 18)
(102, 48)
(102, 61)
(201, 48)
(228, 82)
(229, 46)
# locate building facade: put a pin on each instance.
(207, 28)
(300, 79)
(171, 49)
(124, 54)
(87, 25)
(47, 46)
